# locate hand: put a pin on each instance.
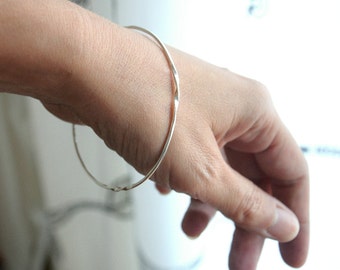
(230, 151)
(257, 149)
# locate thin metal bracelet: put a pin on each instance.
(175, 104)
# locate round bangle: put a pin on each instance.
(175, 104)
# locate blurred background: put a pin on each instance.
(54, 217)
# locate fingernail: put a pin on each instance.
(285, 227)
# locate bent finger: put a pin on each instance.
(249, 206)
(162, 189)
(197, 218)
(204, 175)
(290, 184)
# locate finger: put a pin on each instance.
(162, 189)
(249, 206)
(290, 184)
(245, 164)
(295, 252)
(197, 218)
(283, 164)
(214, 182)
(245, 250)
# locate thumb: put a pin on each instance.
(249, 206)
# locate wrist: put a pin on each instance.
(126, 85)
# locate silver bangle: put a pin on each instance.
(176, 94)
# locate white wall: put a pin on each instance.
(19, 192)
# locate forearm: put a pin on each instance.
(62, 54)
(40, 42)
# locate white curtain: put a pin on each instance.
(49, 209)
(19, 188)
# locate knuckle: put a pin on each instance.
(260, 92)
(249, 208)
(256, 102)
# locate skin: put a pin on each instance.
(230, 151)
